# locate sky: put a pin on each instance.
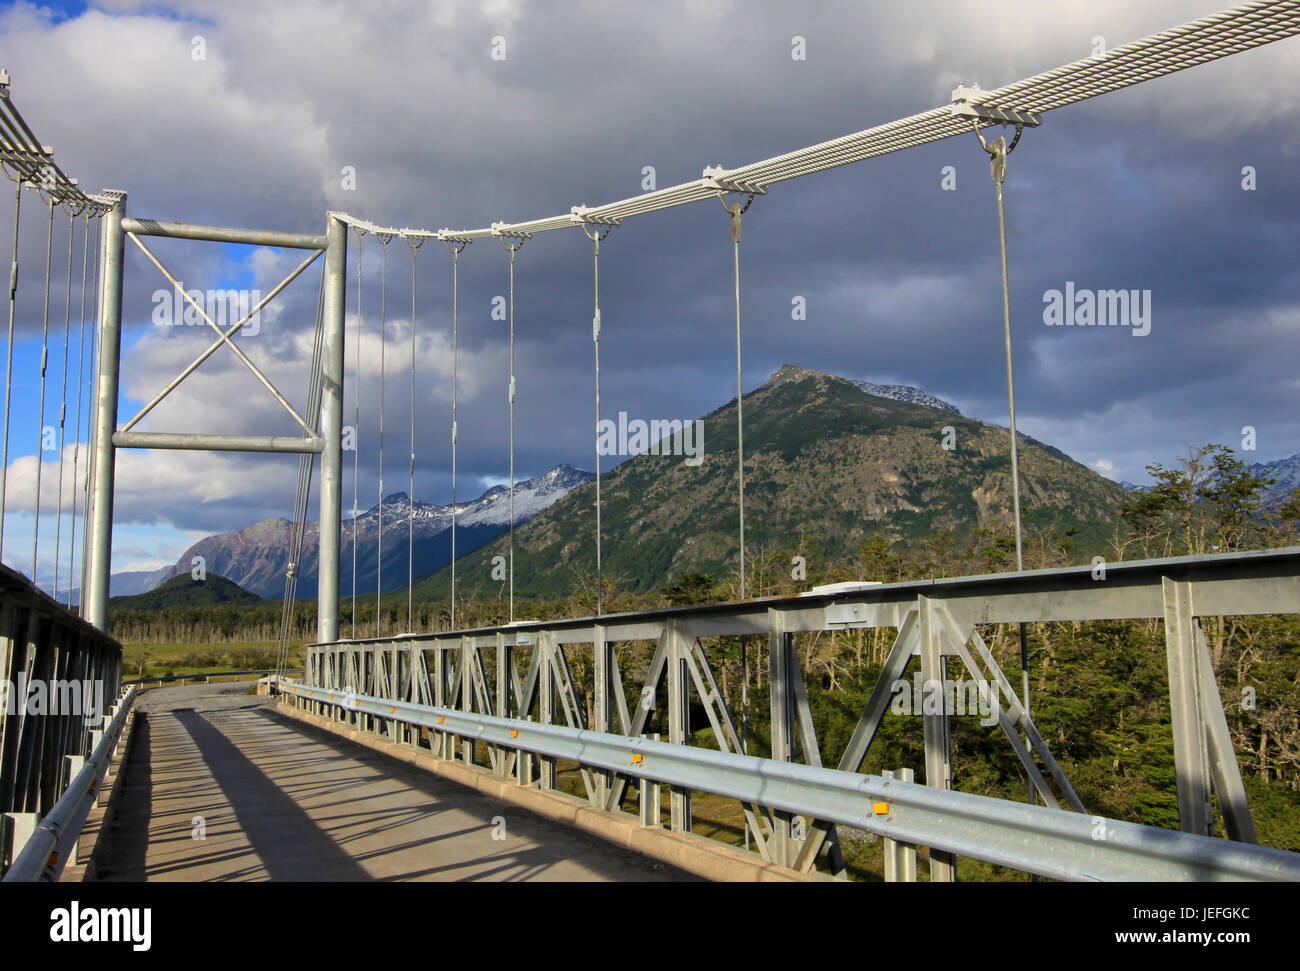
(269, 115)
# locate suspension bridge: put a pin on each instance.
(443, 733)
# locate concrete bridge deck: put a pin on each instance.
(281, 800)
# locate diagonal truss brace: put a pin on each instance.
(998, 695)
(1204, 756)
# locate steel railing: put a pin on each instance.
(48, 849)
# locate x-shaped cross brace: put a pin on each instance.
(223, 337)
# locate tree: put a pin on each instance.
(689, 588)
(1209, 502)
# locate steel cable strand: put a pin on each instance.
(306, 463)
(455, 247)
(92, 435)
(356, 433)
(410, 499)
(45, 350)
(9, 360)
(63, 412)
(596, 237)
(76, 436)
(384, 240)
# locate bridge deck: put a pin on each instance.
(283, 801)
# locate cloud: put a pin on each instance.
(902, 279)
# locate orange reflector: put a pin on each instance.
(358, 704)
(514, 734)
(439, 719)
(390, 710)
(880, 808)
(53, 860)
(311, 692)
(636, 757)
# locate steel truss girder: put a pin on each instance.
(936, 620)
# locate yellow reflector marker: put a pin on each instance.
(390, 710)
(514, 734)
(880, 808)
(636, 757)
(439, 719)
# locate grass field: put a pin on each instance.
(162, 660)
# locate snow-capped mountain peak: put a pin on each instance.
(906, 393)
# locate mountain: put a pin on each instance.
(124, 584)
(256, 557)
(1285, 471)
(826, 462)
(184, 591)
(131, 582)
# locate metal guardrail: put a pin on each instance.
(1033, 839)
(46, 852)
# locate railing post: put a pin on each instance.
(468, 655)
(74, 765)
(546, 703)
(600, 649)
(938, 741)
(19, 829)
(648, 797)
(780, 648)
(503, 695)
(1191, 753)
(679, 723)
(395, 730)
(900, 858)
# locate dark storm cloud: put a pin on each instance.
(1140, 190)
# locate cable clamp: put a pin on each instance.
(971, 103)
(715, 177)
